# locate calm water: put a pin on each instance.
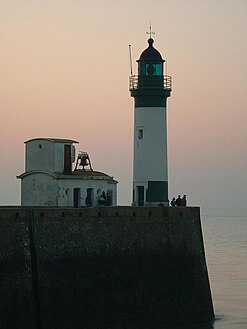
(225, 240)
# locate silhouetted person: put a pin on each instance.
(108, 199)
(178, 201)
(103, 195)
(173, 202)
(88, 201)
(184, 201)
(102, 199)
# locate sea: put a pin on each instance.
(225, 242)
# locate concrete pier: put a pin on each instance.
(106, 267)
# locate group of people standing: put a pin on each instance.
(179, 202)
(104, 199)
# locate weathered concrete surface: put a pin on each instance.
(16, 291)
(116, 267)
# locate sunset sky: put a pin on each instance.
(64, 73)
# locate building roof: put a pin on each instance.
(150, 53)
(81, 172)
(91, 174)
(76, 174)
(53, 140)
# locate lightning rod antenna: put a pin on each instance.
(131, 73)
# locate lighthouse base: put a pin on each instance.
(152, 193)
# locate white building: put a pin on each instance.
(50, 180)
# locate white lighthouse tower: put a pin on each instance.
(150, 89)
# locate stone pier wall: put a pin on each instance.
(107, 267)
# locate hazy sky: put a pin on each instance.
(64, 73)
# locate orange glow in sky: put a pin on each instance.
(64, 73)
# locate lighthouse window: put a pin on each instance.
(150, 69)
(140, 133)
(158, 70)
(153, 69)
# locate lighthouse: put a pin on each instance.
(150, 89)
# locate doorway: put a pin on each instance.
(89, 198)
(77, 197)
(140, 195)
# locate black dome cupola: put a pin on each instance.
(150, 62)
(150, 53)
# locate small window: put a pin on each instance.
(140, 133)
(40, 146)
